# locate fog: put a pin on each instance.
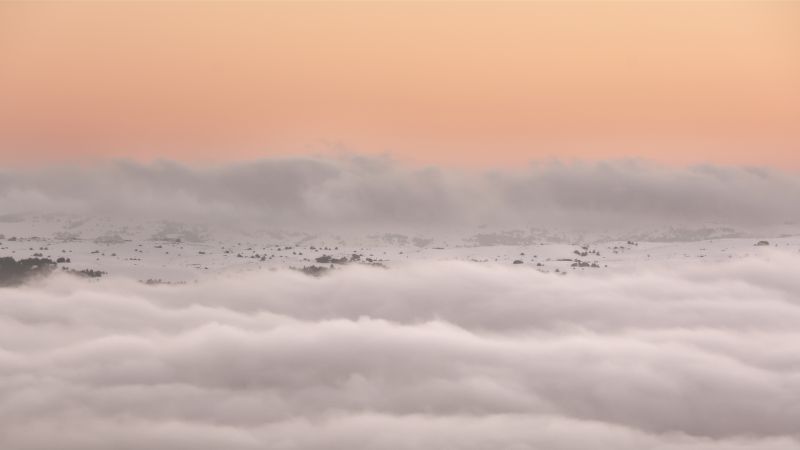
(354, 192)
(424, 355)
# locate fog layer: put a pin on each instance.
(362, 192)
(426, 355)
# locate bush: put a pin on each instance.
(14, 273)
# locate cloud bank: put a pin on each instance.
(363, 192)
(426, 355)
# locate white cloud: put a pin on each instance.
(424, 355)
(363, 192)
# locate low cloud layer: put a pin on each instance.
(364, 192)
(426, 355)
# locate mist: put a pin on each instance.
(364, 193)
(441, 354)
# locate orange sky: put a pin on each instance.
(477, 84)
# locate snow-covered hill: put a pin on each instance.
(174, 252)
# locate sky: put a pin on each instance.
(479, 84)
(470, 152)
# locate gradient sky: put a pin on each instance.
(475, 84)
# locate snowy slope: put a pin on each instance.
(179, 252)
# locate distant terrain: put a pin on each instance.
(170, 252)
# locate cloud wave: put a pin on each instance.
(356, 192)
(426, 355)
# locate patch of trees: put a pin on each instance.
(579, 263)
(84, 273)
(14, 273)
(314, 271)
(327, 259)
(584, 252)
(317, 271)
